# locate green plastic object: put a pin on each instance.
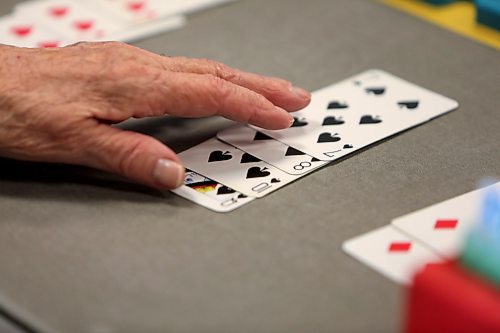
(481, 254)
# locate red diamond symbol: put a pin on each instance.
(399, 246)
(446, 224)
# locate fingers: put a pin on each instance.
(278, 91)
(194, 95)
(135, 156)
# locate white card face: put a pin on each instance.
(211, 194)
(269, 150)
(70, 18)
(27, 32)
(391, 253)
(443, 226)
(234, 168)
(146, 29)
(138, 11)
(359, 111)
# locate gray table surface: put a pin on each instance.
(82, 251)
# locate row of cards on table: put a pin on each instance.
(53, 23)
(243, 163)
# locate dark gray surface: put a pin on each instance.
(84, 252)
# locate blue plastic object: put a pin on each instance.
(488, 13)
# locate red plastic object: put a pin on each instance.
(447, 298)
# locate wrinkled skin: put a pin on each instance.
(56, 105)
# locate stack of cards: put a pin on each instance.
(243, 163)
(53, 23)
(433, 234)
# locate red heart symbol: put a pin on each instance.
(48, 44)
(83, 25)
(58, 11)
(21, 31)
(135, 6)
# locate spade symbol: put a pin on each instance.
(225, 190)
(242, 196)
(293, 152)
(261, 136)
(367, 119)
(299, 122)
(275, 180)
(328, 137)
(256, 172)
(314, 159)
(218, 155)
(332, 121)
(348, 145)
(408, 104)
(247, 158)
(375, 91)
(337, 105)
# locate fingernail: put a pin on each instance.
(292, 119)
(300, 92)
(168, 173)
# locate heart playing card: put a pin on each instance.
(71, 19)
(26, 32)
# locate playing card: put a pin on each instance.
(210, 194)
(71, 19)
(146, 29)
(234, 168)
(443, 226)
(26, 32)
(138, 11)
(359, 111)
(269, 150)
(391, 253)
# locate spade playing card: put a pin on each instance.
(210, 194)
(391, 253)
(359, 111)
(443, 226)
(269, 150)
(234, 168)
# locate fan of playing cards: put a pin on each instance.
(52, 23)
(244, 163)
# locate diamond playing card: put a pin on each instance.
(359, 111)
(443, 226)
(391, 253)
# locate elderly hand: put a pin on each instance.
(56, 105)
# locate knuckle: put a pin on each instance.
(218, 69)
(220, 88)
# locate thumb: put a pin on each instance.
(135, 156)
